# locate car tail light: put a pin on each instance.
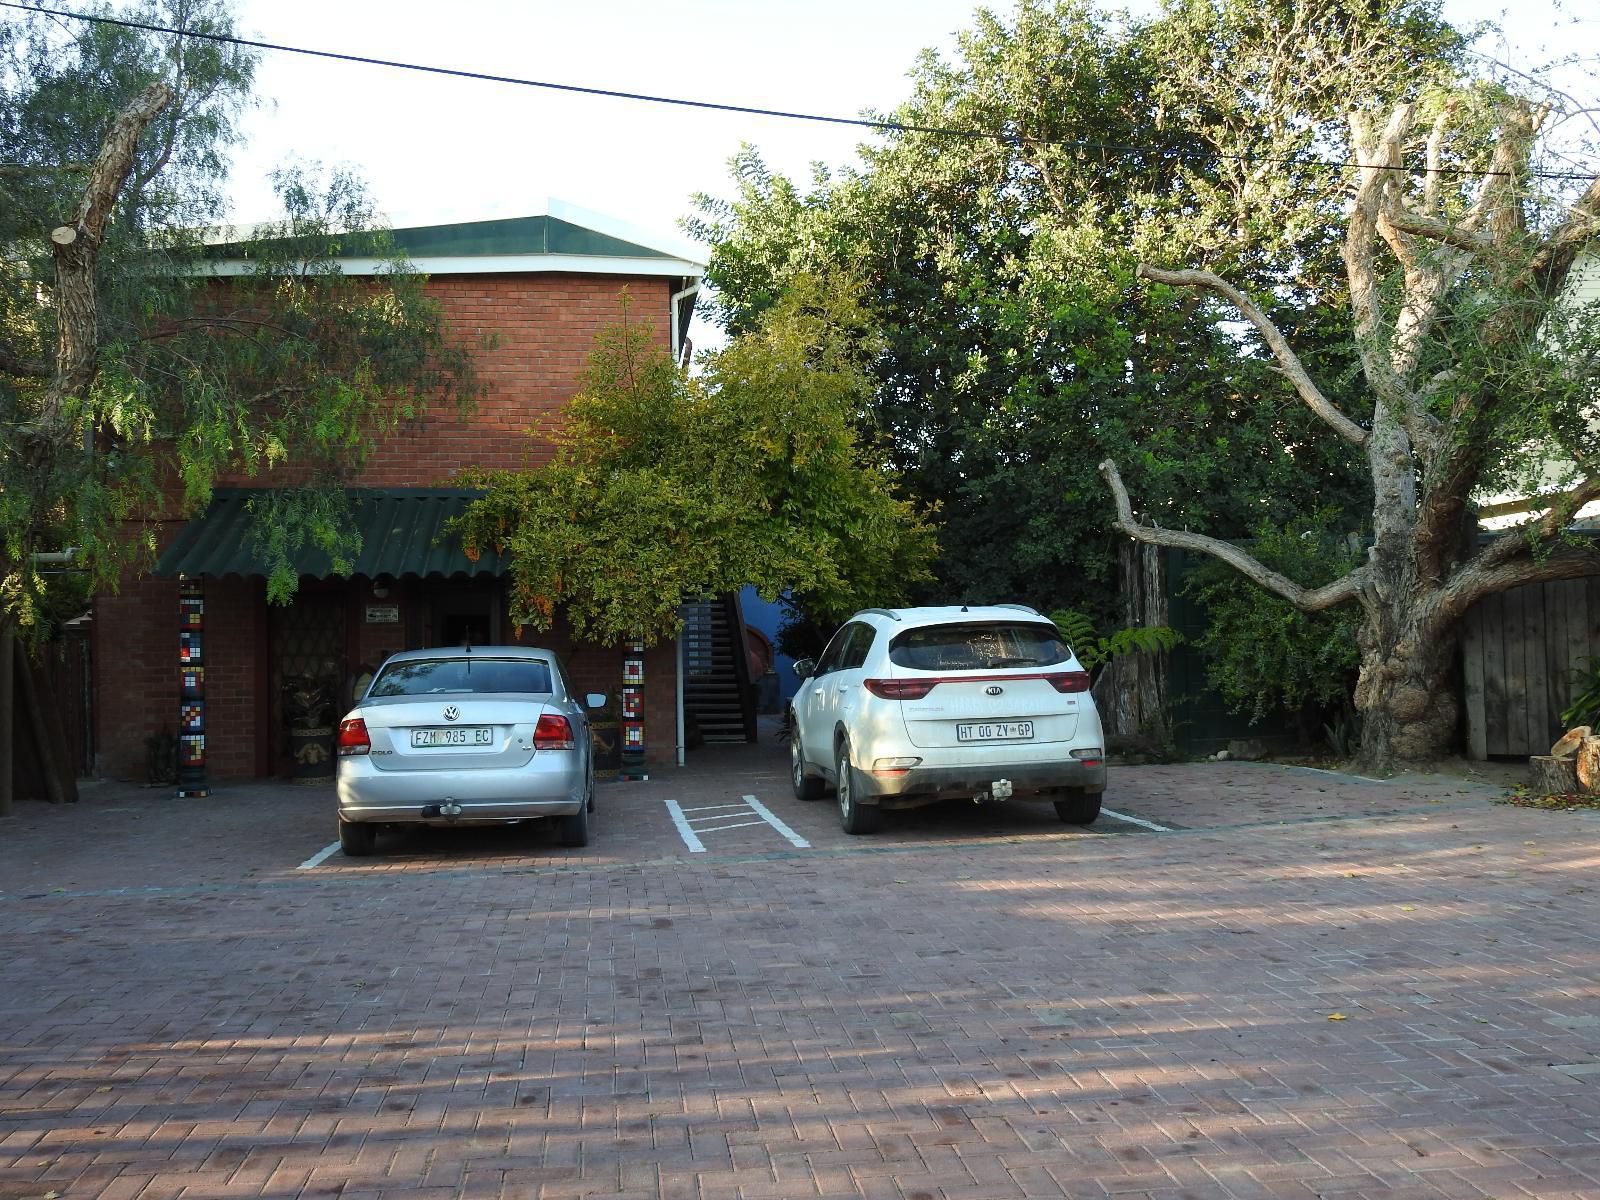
(893, 766)
(553, 732)
(1069, 681)
(353, 737)
(900, 689)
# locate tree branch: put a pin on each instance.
(1563, 561)
(1287, 359)
(1305, 599)
(1559, 511)
(77, 338)
(1436, 230)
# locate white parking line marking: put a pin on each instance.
(1106, 812)
(767, 815)
(718, 817)
(317, 859)
(696, 846)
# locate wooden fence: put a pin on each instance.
(1519, 650)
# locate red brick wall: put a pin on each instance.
(543, 329)
(136, 673)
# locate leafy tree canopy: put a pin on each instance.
(666, 486)
(133, 376)
(1017, 349)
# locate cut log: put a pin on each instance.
(1553, 776)
(1589, 764)
(1570, 741)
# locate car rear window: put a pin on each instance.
(430, 676)
(976, 646)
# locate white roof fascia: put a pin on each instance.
(501, 264)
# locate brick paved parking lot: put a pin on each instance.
(1299, 985)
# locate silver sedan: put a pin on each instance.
(466, 736)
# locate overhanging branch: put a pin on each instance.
(1281, 350)
(1305, 599)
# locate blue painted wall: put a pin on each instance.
(767, 616)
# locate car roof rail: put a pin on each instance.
(881, 612)
(1022, 608)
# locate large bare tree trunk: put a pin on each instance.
(1435, 419)
(1406, 693)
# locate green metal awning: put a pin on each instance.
(402, 533)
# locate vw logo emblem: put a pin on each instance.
(994, 689)
(451, 712)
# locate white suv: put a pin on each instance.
(911, 706)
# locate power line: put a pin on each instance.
(876, 124)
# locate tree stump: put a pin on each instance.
(1589, 765)
(1553, 776)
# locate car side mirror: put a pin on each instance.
(595, 700)
(805, 668)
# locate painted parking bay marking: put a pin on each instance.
(1116, 816)
(320, 857)
(714, 818)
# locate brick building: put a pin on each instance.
(543, 287)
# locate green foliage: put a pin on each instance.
(1261, 652)
(665, 486)
(1017, 349)
(287, 372)
(1585, 706)
(1094, 651)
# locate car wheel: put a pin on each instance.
(574, 830)
(854, 817)
(357, 839)
(589, 805)
(806, 785)
(1078, 808)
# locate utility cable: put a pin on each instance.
(876, 124)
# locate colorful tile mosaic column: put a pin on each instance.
(192, 780)
(633, 710)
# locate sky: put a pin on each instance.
(436, 149)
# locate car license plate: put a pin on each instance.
(995, 731)
(467, 735)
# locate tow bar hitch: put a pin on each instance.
(1000, 789)
(450, 810)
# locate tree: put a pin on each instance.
(665, 486)
(1476, 371)
(1017, 352)
(132, 376)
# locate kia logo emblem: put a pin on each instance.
(451, 712)
(994, 689)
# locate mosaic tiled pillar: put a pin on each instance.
(633, 710)
(192, 691)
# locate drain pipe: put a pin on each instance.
(680, 699)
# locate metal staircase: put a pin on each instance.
(718, 697)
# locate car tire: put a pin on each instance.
(589, 804)
(573, 830)
(1078, 807)
(806, 785)
(854, 817)
(357, 839)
